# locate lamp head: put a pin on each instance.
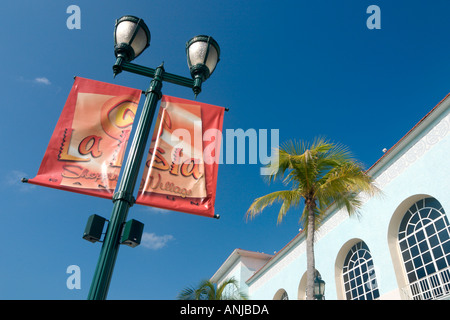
(319, 287)
(131, 38)
(203, 54)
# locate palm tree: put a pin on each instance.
(319, 174)
(208, 290)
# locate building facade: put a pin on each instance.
(398, 249)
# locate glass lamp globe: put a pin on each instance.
(131, 37)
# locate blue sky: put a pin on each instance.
(304, 68)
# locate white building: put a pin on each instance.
(398, 249)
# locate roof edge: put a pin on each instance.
(233, 257)
(418, 128)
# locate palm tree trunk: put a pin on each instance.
(310, 263)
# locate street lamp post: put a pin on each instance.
(132, 37)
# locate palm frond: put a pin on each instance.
(187, 293)
(345, 185)
(289, 198)
(208, 290)
(236, 294)
(322, 171)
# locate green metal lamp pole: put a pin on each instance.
(123, 199)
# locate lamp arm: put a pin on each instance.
(150, 72)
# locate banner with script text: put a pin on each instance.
(87, 147)
(181, 169)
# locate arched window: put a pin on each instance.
(281, 294)
(424, 240)
(359, 274)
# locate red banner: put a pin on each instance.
(181, 168)
(87, 147)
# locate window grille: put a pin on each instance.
(359, 274)
(424, 241)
